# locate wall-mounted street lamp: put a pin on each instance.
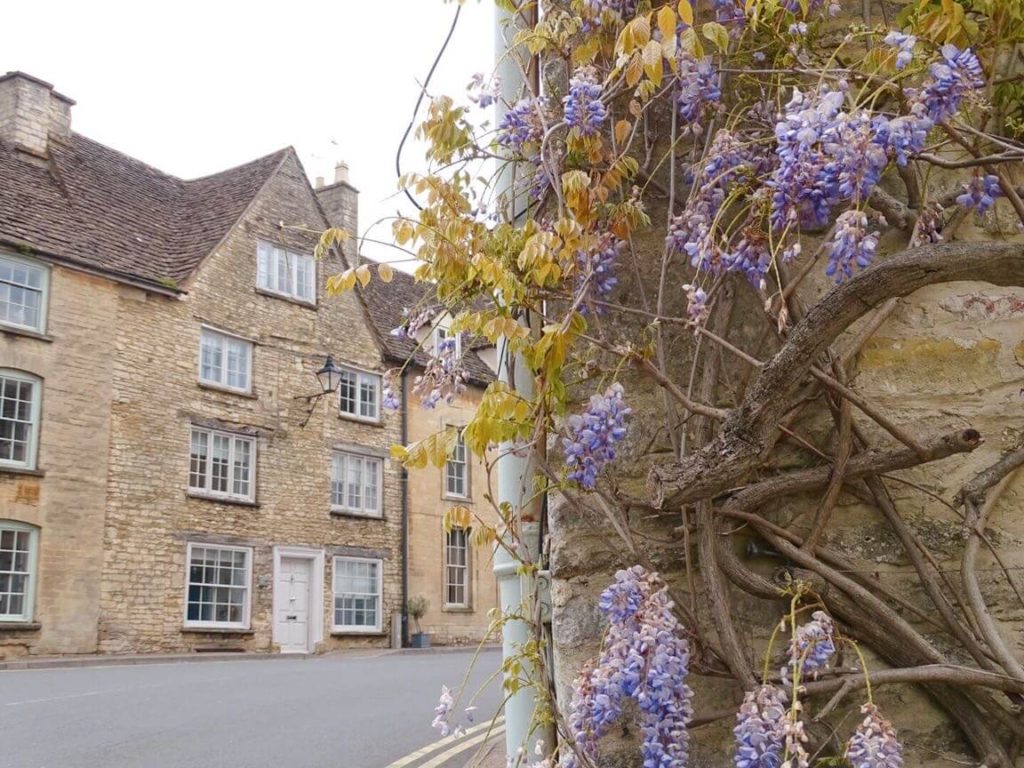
(329, 378)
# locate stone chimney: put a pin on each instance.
(31, 112)
(340, 202)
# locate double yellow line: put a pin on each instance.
(474, 736)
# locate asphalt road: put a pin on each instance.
(347, 711)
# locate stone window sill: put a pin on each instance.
(20, 626)
(217, 631)
(357, 420)
(5, 470)
(355, 515)
(27, 333)
(465, 500)
(458, 609)
(228, 390)
(285, 297)
(357, 633)
(223, 500)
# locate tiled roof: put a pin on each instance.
(385, 303)
(100, 208)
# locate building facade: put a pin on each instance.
(168, 482)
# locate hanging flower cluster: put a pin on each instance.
(645, 658)
(390, 399)
(598, 13)
(412, 321)
(852, 244)
(521, 132)
(596, 273)
(874, 744)
(761, 728)
(698, 90)
(980, 193)
(584, 110)
(593, 434)
(813, 644)
(952, 78)
(443, 378)
(904, 45)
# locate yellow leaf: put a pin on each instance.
(363, 275)
(634, 71)
(686, 12)
(717, 34)
(667, 22)
(622, 129)
(385, 273)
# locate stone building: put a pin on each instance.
(166, 481)
(456, 578)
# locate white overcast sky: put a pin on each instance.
(197, 87)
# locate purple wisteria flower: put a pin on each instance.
(646, 658)
(442, 712)
(597, 13)
(874, 744)
(905, 136)
(957, 74)
(698, 89)
(483, 92)
(904, 45)
(584, 109)
(521, 130)
(592, 435)
(761, 728)
(390, 399)
(696, 303)
(980, 193)
(813, 644)
(412, 321)
(852, 244)
(443, 378)
(596, 272)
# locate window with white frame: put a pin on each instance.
(456, 568)
(225, 361)
(357, 595)
(441, 333)
(19, 544)
(456, 471)
(360, 394)
(355, 484)
(219, 579)
(24, 286)
(285, 272)
(222, 464)
(19, 419)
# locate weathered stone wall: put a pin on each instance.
(65, 498)
(427, 505)
(151, 517)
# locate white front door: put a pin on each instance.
(291, 598)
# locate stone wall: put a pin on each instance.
(65, 498)
(151, 516)
(427, 505)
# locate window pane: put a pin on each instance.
(243, 467)
(16, 419)
(355, 483)
(264, 267)
(348, 391)
(15, 577)
(368, 396)
(338, 480)
(219, 457)
(211, 355)
(356, 593)
(305, 278)
(238, 364)
(198, 459)
(21, 294)
(372, 470)
(284, 271)
(218, 585)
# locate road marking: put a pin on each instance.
(498, 726)
(444, 757)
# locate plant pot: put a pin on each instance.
(419, 640)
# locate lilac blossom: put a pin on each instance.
(851, 244)
(949, 81)
(443, 378)
(904, 45)
(761, 728)
(645, 658)
(874, 744)
(813, 644)
(596, 272)
(698, 89)
(980, 193)
(592, 435)
(584, 109)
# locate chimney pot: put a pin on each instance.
(319, 182)
(341, 172)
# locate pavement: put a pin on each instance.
(365, 710)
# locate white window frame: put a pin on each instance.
(206, 491)
(207, 333)
(340, 463)
(451, 465)
(361, 378)
(442, 332)
(43, 290)
(32, 451)
(464, 568)
(356, 629)
(28, 602)
(246, 603)
(271, 284)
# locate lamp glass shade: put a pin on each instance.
(329, 376)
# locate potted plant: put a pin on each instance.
(417, 608)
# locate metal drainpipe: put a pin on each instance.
(404, 482)
(515, 472)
